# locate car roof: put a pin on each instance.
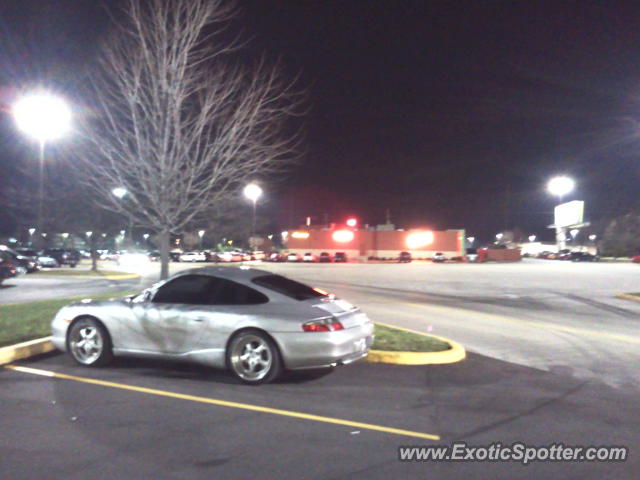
(232, 273)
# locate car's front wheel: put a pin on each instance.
(89, 343)
(254, 357)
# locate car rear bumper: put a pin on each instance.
(324, 349)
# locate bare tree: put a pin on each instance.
(176, 124)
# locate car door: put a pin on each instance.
(174, 318)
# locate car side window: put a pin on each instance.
(189, 289)
(232, 293)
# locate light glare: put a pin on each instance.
(42, 116)
(343, 236)
(560, 186)
(252, 192)
(419, 239)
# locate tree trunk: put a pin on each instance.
(164, 255)
(94, 258)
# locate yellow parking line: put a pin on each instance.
(529, 323)
(224, 403)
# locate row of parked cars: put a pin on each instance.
(21, 260)
(567, 254)
(239, 256)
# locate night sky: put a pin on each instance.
(449, 114)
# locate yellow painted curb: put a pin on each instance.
(124, 276)
(25, 350)
(455, 354)
(628, 296)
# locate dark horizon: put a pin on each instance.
(448, 114)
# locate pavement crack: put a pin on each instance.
(513, 418)
(622, 312)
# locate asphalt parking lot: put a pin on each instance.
(552, 358)
(65, 428)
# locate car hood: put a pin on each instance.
(97, 303)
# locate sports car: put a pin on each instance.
(250, 321)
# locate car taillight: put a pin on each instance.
(323, 325)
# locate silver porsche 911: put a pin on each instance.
(251, 321)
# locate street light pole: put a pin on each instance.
(560, 186)
(253, 192)
(44, 117)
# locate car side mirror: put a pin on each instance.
(143, 297)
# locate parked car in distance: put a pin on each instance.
(404, 257)
(564, 254)
(340, 257)
(250, 321)
(8, 268)
(308, 257)
(274, 257)
(23, 264)
(439, 257)
(472, 255)
(31, 258)
(583, 257)
(324, 257)
(258, 255)
(193, 257)
(46, 261)
(230, 256)
(63, 256)
(293, 257)
(154, 256)
(636, 259)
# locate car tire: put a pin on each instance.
(89, 343)
(253, 357)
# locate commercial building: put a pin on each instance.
(376, 243)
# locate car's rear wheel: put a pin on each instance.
(254, 358)
(89, 343)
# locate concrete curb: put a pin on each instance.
(455, 354)
(25, 350)
(124, 276)
(628, 296)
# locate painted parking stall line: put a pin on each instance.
(225, 403)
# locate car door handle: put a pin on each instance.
(198, 319)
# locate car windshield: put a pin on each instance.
(288, 287)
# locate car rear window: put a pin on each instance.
(288, 287)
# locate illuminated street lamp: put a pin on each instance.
(471, 240)
(499, 236)
(31, 232)
(532, 238)
(146, 239)
(253, 192)
(561, 186)
(593, 237)
(88, 234)
(120, 192)
(574, 233)
(201, 234)
(44, 117)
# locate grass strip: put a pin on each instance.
(394, 340)
(20, 322)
